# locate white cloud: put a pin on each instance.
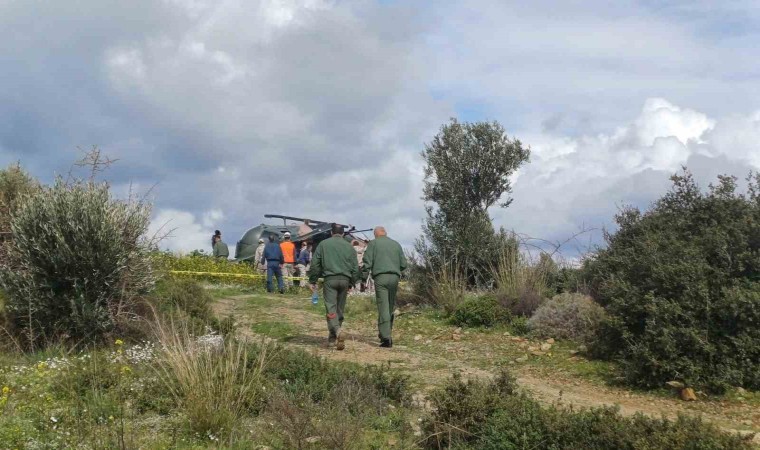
(572, 182)
(185, 233)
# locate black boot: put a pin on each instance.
(386, 343)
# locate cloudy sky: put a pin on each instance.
(233, 109)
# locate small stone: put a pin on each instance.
(546, 347)
(537, 353)
(507, 333)
(521, 359)
(741, 391)
(688, 395)
(676, 384)
(466, 331)
(392, 442)
(550, 341)
(313, 439)
(747, 423)
(573, 352)
(396, 312)
(456, 337)
(428, 342)
(516, 338)
(532, 349)
(582, 349)
(418, 337)
(458, 330)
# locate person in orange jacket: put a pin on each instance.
(289, 254)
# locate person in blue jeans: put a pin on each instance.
(274, 260)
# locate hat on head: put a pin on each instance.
(261, 240)
(287, 234)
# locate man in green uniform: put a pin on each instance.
(335, 261)
(384, 259)
(220, 248)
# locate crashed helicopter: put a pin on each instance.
(314, 231)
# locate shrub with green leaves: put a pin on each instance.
(681, 283)
(485, 311)
(77, 261)
(494, 415)
(568, 316)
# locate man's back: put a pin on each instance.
(273, 252)
(384, 255)
(288, 251)
(334, 256)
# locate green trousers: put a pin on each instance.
(386, 286)
(335, 293)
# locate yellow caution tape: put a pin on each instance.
(233, 275)
(242, 275)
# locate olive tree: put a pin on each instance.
(467, 170)
(77, 261)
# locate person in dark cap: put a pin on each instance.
(335, 261)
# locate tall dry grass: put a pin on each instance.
(521, 282)
(447, 287)
(216, 385)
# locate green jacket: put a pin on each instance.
(334, 256)
(221, 250)
(383, 255)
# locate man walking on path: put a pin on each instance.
(335, 261)
(384, 259)
(274, 261)
(289, 253)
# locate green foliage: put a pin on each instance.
(187, 302)
(300, 372)
(483, 311)
(568, 316)
(493, 415)
(468, 169)
(208, 268)
(681, 284)
(76, 263)
(15, 186)
(519, 325)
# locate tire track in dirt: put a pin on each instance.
(431, 370)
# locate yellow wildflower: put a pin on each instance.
(119, 342)
(6, 390)
(125, 369)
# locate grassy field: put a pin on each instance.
(279, 386)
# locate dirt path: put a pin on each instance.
(429, 366)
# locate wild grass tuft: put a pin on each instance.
(216, 382)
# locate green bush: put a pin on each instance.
(568, 316)
(188, 301)
(493, 415)
(300, 372)
(485, 311)
(519, 325)
(76, 264)
(681, 285)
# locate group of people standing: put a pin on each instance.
(282, 260)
